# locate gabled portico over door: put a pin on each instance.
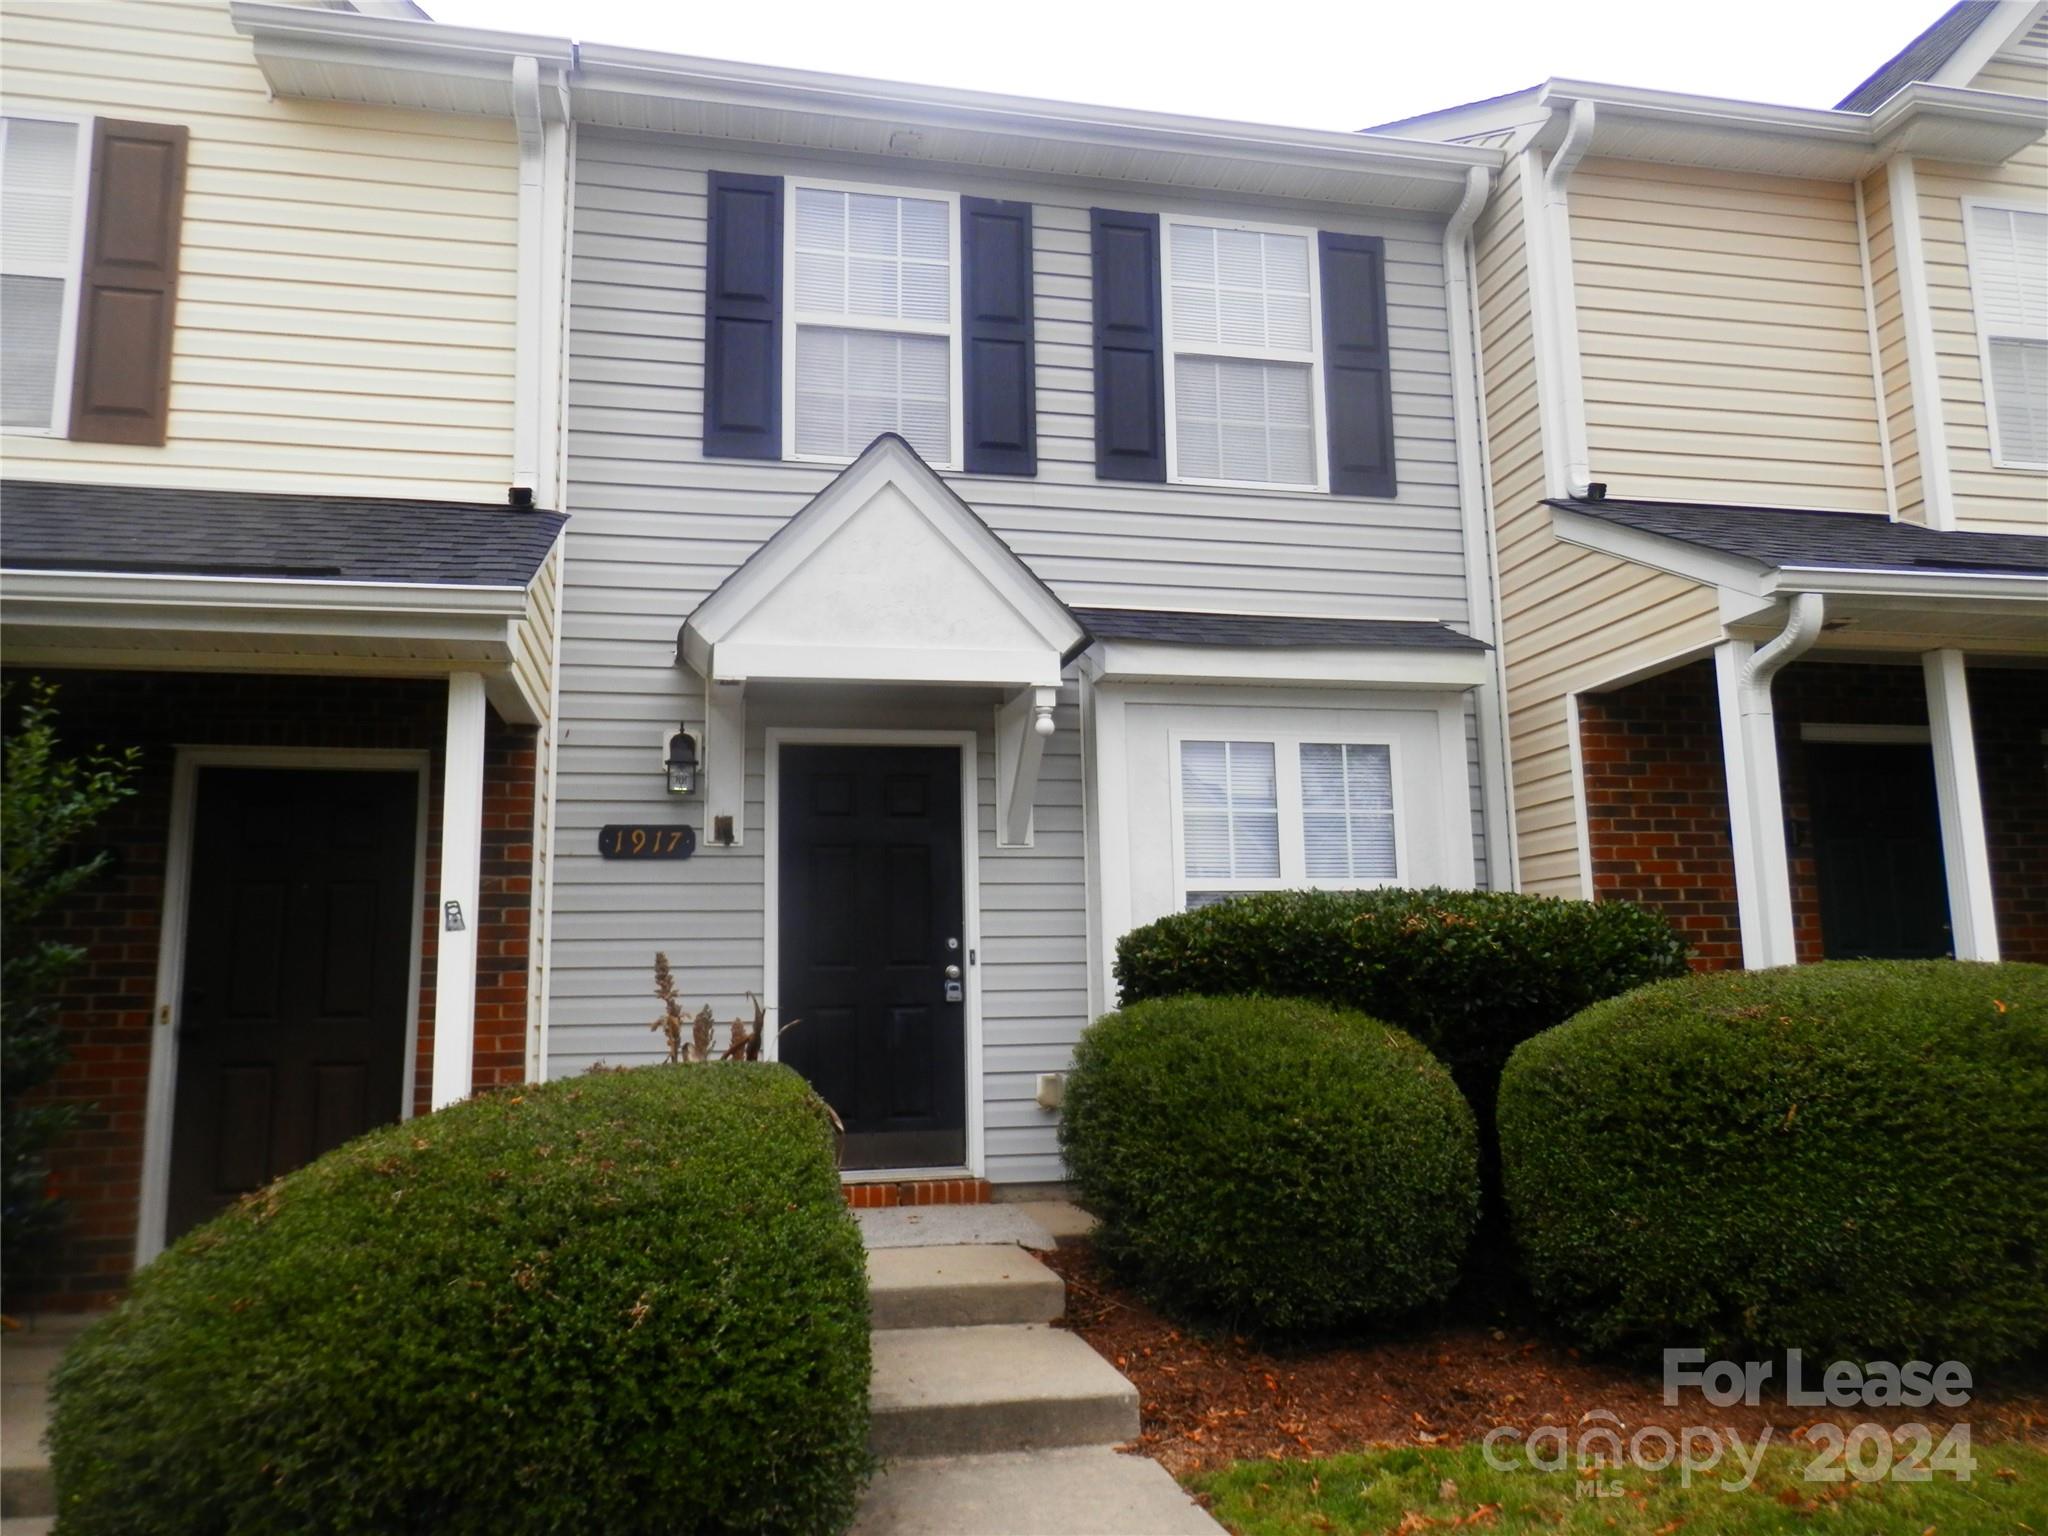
(888, 597)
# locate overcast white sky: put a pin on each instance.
(1308, 64)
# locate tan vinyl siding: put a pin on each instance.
(1724, 341)
(1896, 370)
(346, 283)
(1570, 618)
(1987, 496)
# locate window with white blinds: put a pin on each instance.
(2009, 285)
(1230, 811)
(1243, 337)
(1347, 811)
(873, 321)
(42, 191)
(1273, 814)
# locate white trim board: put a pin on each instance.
(160, 1095)
(968, 743)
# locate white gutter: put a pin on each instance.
(114, 589)
(1482, 592)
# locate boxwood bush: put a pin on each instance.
(1850, 1159)
(1471, 974)
(1280, 1165)
(622, 1303)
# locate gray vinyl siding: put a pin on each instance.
(655, 527)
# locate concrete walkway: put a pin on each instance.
(991, 1422)
(27, 1356)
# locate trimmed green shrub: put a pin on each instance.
(1274, 1163)
(1850, 1159)
(623, 1303)
(1471, 974)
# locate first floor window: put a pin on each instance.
(40, 193)
(872, 314)
(1268, 815)
(1347, 811)
(2009, 282)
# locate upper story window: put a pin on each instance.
(872, 321)
(42, 227)
(1243, 381)
(2008, 250)
(1283, 812)
(90, 215)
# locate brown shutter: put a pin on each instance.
(122, 379)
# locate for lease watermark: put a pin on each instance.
(1867, 1452)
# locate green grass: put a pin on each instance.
(1411, 1491)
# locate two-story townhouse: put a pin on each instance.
(1052, 517)
(268, 516)
(996, 523)
(1766, 393)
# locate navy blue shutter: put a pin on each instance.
(1130, 376)
(1356, 366)
(997, 368)
(743, 319)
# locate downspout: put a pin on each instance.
(1768, 935)
(1560, 302)
(1482, 594)
(555, 428)
(528, 325)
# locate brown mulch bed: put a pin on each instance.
(1208, 1399)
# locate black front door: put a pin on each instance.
(873, 952)
(298, 950)
(1877, 852)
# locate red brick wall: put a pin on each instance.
(108, 1002)
(1656, 795)
(1657, 807)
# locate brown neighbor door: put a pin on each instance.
(298, 952)
(869, 876)
(1877, 852)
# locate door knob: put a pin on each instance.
(952, 973)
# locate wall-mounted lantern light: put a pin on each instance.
(683, 758)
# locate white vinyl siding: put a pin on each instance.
(2008, 260)
(42, 221)
(1283, 812)
(1242, 329)
(871, 337)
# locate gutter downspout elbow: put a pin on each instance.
(1802, 628)
(1578, 137)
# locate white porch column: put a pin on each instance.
(462, 814)
(1756, 803)
(1964, 852)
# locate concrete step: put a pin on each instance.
(965, 1391)
(961, 1287)
(1036, 1493)
(27, 1357)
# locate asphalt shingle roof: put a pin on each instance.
(1782, 536)
(143, 529)
(1920, 59)
(1251, 629)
